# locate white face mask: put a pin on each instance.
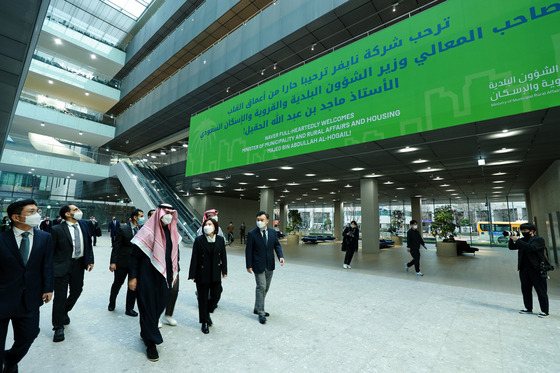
(215, 218)
(78, 215)
(166, 219)
(414, 226)
(261, 224)
(32, 220)
(353, 225)
(208, 229)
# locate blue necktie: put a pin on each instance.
(24, 247)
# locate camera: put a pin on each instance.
(544, 268)
(511, 233)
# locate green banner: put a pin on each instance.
(459, 62)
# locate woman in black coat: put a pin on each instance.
(208, 267)
(350, 238)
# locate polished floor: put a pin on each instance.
(376, 317)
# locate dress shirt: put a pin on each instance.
(81, 238)
(18, 232)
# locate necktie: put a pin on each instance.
(78, 243)
(24, 247)
(264, 238)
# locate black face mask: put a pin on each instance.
(526, 234)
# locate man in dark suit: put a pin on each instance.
(72, 254)
(57, 221)
(120, 256)
(259, 256)
(94, 229)
(46, 225)
(114, 226)
(26, 280)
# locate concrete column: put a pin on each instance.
(530, 216)
(370, 215)
(338, 219)
(416, 204)
(267, 203)
(283, 217)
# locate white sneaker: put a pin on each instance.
(344, 266)
(348, 266)
(159, 324)
(419, 274)
(406, 266)
(170, 320)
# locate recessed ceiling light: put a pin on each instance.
(348, 186)
(80, 133)
(314, 188)
(282, 196)
(32, 169)
(249, 174)
(504, 150)
(373, 174)
(292, 184)
(481, 162)
(198, 188)
(498, 191)
(242, 183)
(162, 153)
(449, 190)
(262, 186)
(287, 168)
(272, 179)
(327, 180)
(499, 173)
(153, 156)
(320, 197)
(497, 187)
(220, 191)
(57, 41)
(310, 175)
(357, 169)
(332, 192)
(304, 195)
(500, 163)
(51, 82)
(185, 145)
(408, 149)
(219, 178)
(93, 56)
(173, 149)
(418, 196)
(285, 191)
(219, 186)
(420, 161)
(87, 93)
(498, 181)
(438, 178)
(454, 194)
(145, 160)
(42, 124)
(29, 172)
(239, 189)
(429, 169)
(504, 133)
(444, 185)
(400, 188)
(388, 183)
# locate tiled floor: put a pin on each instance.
(460, 317)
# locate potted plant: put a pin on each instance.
(397, 221)
(443, 226)
(294, 217)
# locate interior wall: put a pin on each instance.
(544, 194)
(229, 209)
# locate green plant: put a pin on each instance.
(444, 222)
(397, 221)
(327, 224)
(295, 221)
(465, 222)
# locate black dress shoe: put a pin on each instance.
(262, 319)
(266, 313)
(66, 320)
(11, 368)
(151, 353)
(131, 313)
(111, 308)
(58, 335)
(204, 328)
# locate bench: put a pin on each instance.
(464, 247)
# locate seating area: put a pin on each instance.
(464, 247)
(317, 239)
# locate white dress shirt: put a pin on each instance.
(17, 234)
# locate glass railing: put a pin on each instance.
(67, 24)
(159, 191)
(32, 97)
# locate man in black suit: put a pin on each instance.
(46, 225)
(114, 226)
(259, 256)
(57, 221)
(72, 254)
(94, 229)
(532, 253)
(26, 280)
(120, 256)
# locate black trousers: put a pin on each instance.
(349, 254)
(64, 302)
(205, 305)
(531, 278)
(243, 237)
(94, 237)
(26, 329)
(415, 259)
(173, 294)
(120, 275)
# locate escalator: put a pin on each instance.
(147, 188)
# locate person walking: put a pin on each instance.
(153, 268)
(350, 239)
(262, 242)
(208, 267)
(94, 229)
(230, 229)
(73, 254)
(114, 226)
(242, 232)
(413, 242)
(26, 280)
